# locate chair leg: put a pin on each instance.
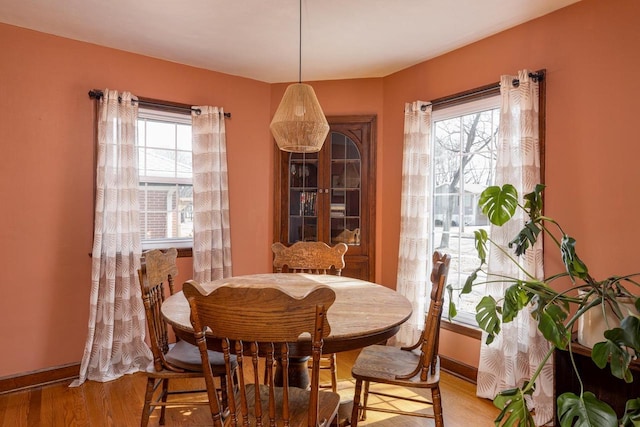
(437, 406)
(148, 395)
(218, 406)
(356, 404)
(363, 415)
(165, 394)
(334, 373)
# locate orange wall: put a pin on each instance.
(46, 143)
(47, 148)
(590, 51)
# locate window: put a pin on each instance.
(464, 152)
(165, 174)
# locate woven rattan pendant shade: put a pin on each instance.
(299, 125)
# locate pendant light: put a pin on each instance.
(299, 125)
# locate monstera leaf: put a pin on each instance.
(551, 324)
(514, 409)
(630, 326)
(574, 265)
(585, 411)
(616, 356)
(631, 416)
(526, 238)
(452, 307)
(499, 204)
(614, 350)
(487, 315)
(515, 299)
(533, 202)
(481, 239)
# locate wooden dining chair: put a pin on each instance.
(253, 323)
(170, 361)
(417, 366)
(315, 258)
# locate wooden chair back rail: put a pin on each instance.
(156, 268)
(439, 274)
(269, 320)
(429, 338)
(161, 266)
(309, 257)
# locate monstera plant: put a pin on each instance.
(556, 312)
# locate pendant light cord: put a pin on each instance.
(300, 45)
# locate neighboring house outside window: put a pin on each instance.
(165, 176)
(464, 155)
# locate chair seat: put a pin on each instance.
(298, 403)
(383, 363)
(187, 356)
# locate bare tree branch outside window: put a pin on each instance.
(464, 164)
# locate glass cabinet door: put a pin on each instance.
(340, 219)
(345, 190)
(329, 196)
(303, 197)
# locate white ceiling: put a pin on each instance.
(258, 39)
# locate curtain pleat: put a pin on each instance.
(212, 234)
(115, 341)
(516, 352)
(413, 257)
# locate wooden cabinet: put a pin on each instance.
(329, 196)
(600, 382)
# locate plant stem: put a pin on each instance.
(508, 255)
(535, 375)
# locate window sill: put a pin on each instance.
(461, 329)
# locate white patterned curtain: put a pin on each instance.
(115, 341)
(212, 234)
(519, 348)
(413, 257)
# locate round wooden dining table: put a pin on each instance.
(364, 313)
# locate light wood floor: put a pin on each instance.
(119, 403)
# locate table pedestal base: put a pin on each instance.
(298, 373)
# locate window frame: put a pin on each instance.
(489, 100)
(479, 93)
(159, 114)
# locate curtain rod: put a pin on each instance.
(97, 94)
(457, 98)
